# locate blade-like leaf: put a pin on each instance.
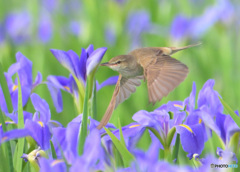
(6, 146)
(94, 101)
(81, 93)
(120, 132)
(233, 144)
(175, 149)
(231, 112)
(155, 132)
(170, 136)
(20, 125)
(5, 90)
(126, 155)
(83, 127)
(54, 155)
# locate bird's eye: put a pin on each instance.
(118, 62)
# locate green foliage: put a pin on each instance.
(20, 125)
(125, 154)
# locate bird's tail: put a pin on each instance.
(176, 49)
(172, 50)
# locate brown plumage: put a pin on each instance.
(154, 64)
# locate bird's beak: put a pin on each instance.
(105, 64)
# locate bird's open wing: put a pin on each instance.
(124, 88)
(163, 74)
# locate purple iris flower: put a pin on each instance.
(18, 26)
(41, 125)
(110, 35)
(45, 27)
(67, 139)
(75, 28)
(184, 27)
(226, 156)
(139, 22)
(23, 67)
(92, 158)
(79, 67)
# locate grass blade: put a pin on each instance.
(155, 132)
(120, 132)
(20, 125)
(231, 112)
(54, 155)
(83, 127)
(5, 90)
(126, 155)
(176, 150)
(6, 146)
(94, 101)
(81, 94)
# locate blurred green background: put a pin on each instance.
(35, 27)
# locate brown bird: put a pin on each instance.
(154, 64)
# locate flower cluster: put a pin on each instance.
(188, 124)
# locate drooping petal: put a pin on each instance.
(191, 134)
(56, 97)
(71, 150)
(110, 81)
(39, 132)
(38, 80)
(59, 82)
(13, 134)
(42, 107)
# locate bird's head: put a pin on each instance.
(119, 63)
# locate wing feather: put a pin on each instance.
(163, 74)
(124, 88)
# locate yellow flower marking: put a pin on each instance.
(180, 106)
(56, 162)
(132, 126)
(187, 127)
(67, 88)
(200, 121)
(40, 123)
(14, 87)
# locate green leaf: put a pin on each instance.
(126, 155)
(155, 132)
(83, 127)
(5, 90)
(176, 149)
(20, 125)
(81, 93)
(231, 112)
(120, 132)
(54, 155)
(170, 136)
(6, 146)
(94, 101)
(233, 143)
